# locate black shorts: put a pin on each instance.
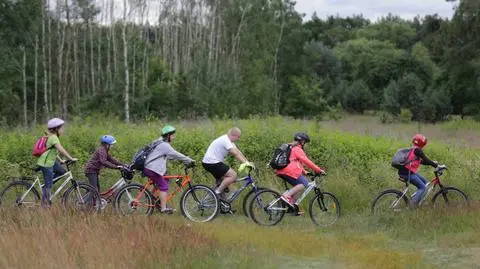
(218, 170)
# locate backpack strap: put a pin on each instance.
(155, 145)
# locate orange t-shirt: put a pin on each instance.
(297, 160)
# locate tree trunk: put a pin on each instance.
(24, 79)
(45, 72)
(92, 64)
(275, 69)
(125, 61)
(35, 99)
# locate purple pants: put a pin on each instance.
(160, 182)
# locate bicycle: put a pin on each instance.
(137, 198)
(108, 196)
(269, 203)
(226, 204)
(397, 201)
(25, 194)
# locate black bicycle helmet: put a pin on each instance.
(301, 137)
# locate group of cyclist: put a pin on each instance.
(49, 163)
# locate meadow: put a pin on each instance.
(356, 153)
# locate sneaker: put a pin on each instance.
(288, 199)
(167, 210)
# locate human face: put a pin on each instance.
(172, 137)
(234, 137)
(61, 130)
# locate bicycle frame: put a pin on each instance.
(432, 184)
(68, 176)
(249, 180)
(186, 180)
(312, 185)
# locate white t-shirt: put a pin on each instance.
(218, 150)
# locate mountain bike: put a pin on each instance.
(249, 181)
(108, 196)
(198, 203)
(391, 201)
(268, 209)
(23, 194)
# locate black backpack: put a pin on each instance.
(400, 159)
(281, 156)
(138, 161)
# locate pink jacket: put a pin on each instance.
(297, 160)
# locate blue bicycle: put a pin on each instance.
(249, 183)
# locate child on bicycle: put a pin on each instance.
(101, 158)
(49, 162)
(156, 164)
(294, 172)
(414, 159)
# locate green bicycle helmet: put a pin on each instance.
(168, 130)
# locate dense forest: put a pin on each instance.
(136, 59)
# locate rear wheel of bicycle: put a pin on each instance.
(451, 198)
(248, 198)
(13, 192)
(324, 209)
(389, 203)
(134, 199)
(199, 204)
(266, 208)
(81, 197)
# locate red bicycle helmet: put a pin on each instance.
(419, 140)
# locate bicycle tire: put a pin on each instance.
(125, 191)
(246, 200)
(336, 207)
(90, 193)
(261, 204)
(385, 193)
(23, 184)
(212, 201)
(445, 191)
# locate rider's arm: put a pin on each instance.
(424, 159)
(172, 154)
(113, 160)
(300, 155)
(62, 150)
(103, 158)
(235, 152)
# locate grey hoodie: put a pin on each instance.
(157, 159)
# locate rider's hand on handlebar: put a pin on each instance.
(321, 173)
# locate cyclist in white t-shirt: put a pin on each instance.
(214, 159)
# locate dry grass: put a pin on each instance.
(450, 133)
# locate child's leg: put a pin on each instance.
(47, 188)
(302, 183)
(93, 180)
(162, 185)
(58, 170)
(419, 182)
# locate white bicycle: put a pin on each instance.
(23, 194)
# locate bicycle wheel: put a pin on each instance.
(81, 197)
(389, 202)
(199, 204)
(450, 197)
(11, 196)
(134, 199)
(324, 209)
(246, 200)
(266, 208)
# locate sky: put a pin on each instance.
(373, 9)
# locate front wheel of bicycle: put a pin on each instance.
(389, 202)
(199, 203)
(134, 199)
(267, 209)
(451, 198)
(81, 197)
(324, 209)
(247, 200)
(12, 195)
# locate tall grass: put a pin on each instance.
(358, 166)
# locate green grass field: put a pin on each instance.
(355, 152)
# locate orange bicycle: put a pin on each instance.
(198, 202)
